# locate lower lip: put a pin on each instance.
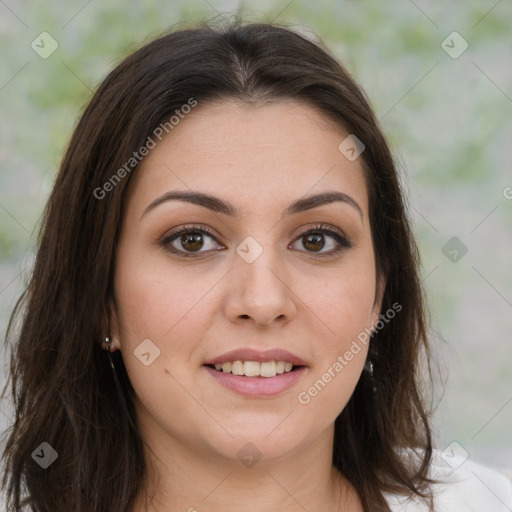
(257, 387)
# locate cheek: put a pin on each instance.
(343, 303)
(343, 306)
(163, 306)
(341, 345)
(161, 303)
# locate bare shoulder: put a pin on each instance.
(464, 486)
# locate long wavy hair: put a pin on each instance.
(61, 382)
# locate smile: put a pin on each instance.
(254, 368)
(256, 373)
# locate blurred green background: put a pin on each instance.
(448, 118)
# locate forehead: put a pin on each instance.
(258, 156)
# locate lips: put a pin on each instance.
(266, 373)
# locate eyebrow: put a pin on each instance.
(222, 206)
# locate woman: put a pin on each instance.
(228, 225)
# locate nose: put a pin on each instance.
(260, 292)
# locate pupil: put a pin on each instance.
(315, 240)
(194, 239)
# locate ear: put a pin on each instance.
(379, 296)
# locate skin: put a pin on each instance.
(260, 159)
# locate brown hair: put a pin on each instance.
(62, 386)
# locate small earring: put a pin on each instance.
(108, 341)
(369, 368)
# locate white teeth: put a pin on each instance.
(252, 368)
(255, 369)
(268, 369)
(237, 367)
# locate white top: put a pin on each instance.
(467, 487)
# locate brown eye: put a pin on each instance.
(190, 240)
(313, 241)
(320, 237)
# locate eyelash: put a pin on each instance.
(342, 241)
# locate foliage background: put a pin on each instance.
(449, 122)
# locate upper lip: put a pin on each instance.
(248, 354)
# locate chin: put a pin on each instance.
(254, 445)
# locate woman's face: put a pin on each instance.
(265, 275)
